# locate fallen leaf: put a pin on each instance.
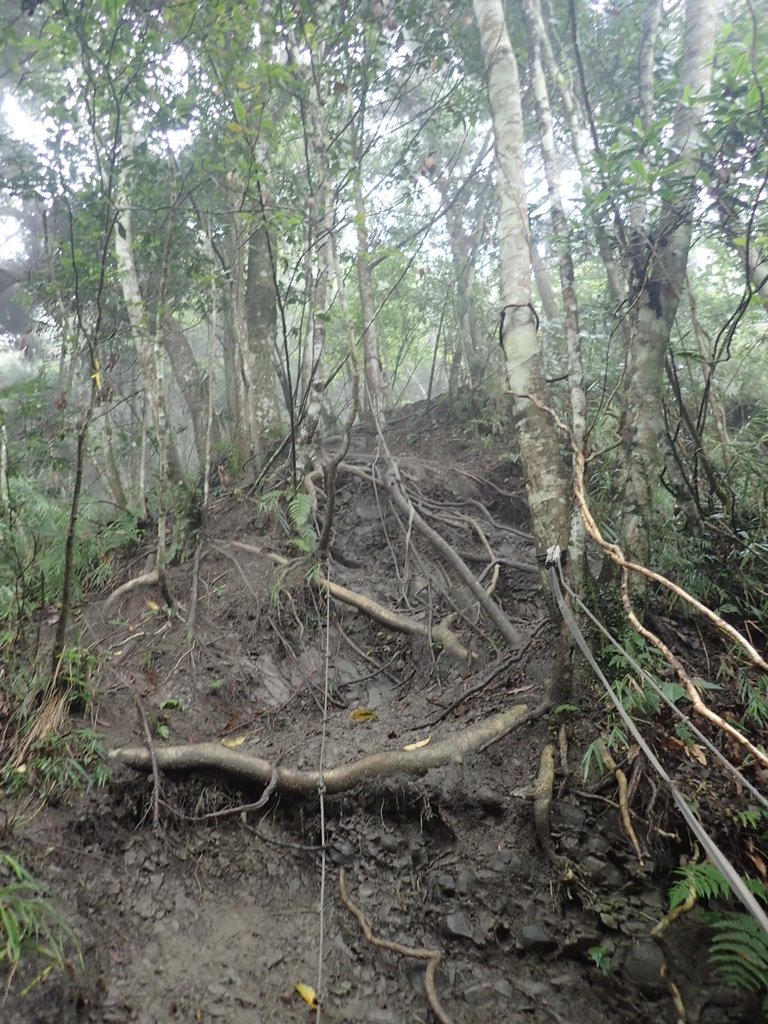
(759, 863)
(153, 606)
(696, 751)
(418, 744)
(362, 715)
(307, 993)
(233, 741)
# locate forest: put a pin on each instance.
(384, 511)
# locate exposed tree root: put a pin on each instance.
(248, 769)
(400, 500)
(542, 802)
(621, 783)
(147, 579)
(432, 956)
(440, 633)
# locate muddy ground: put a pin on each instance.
(217, 919)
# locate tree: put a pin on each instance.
(537, 437)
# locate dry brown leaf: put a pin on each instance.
(362, 715)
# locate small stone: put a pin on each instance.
(481, 995)
(571, 814)
(458, 925)
(447, 884)
(534, 989)
(642, 967)
(535, 938)
(389, 842)
(467, 881)
(594, 866)
(489, 799)
(598, 844)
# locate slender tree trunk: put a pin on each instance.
(191, 381)
(318, 266)
(659, 268)
(254, 363)
(375, 389)
(578, 132)
(147, 348)
(649, 27)
(261, 320)
(562, 237)
(539, 443)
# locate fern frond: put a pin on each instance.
(704, 880)
(739, 952)
(300, 509)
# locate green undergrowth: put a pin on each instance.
(33, 932)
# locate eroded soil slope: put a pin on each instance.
(217, 918)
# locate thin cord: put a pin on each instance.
(740, 778)
(713, 851)
(321, 796)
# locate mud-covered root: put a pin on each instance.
(432, 956)
(213, 757)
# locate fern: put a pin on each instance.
(739, 951)
(703, 880)
(300, 510)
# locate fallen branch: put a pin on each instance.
(440, 633)
(249, 769)
(432, 956)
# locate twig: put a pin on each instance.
(432, 956)
(156, 829)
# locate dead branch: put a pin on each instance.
(384, 764)
(156, 829)
(432, 956)
(440, 633)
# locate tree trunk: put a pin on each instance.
(147, 347)
(562, 238)
(261, 322)
(192, 383)
(539, 443)
(660, 256)
(375, 388)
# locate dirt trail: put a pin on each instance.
(218, 919)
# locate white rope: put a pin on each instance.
(647, 677)
(712, 850)
(321, 798)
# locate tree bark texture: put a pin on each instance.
(660, 257)
(147, 347)
(539, 443)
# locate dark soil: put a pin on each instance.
(217, 920)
